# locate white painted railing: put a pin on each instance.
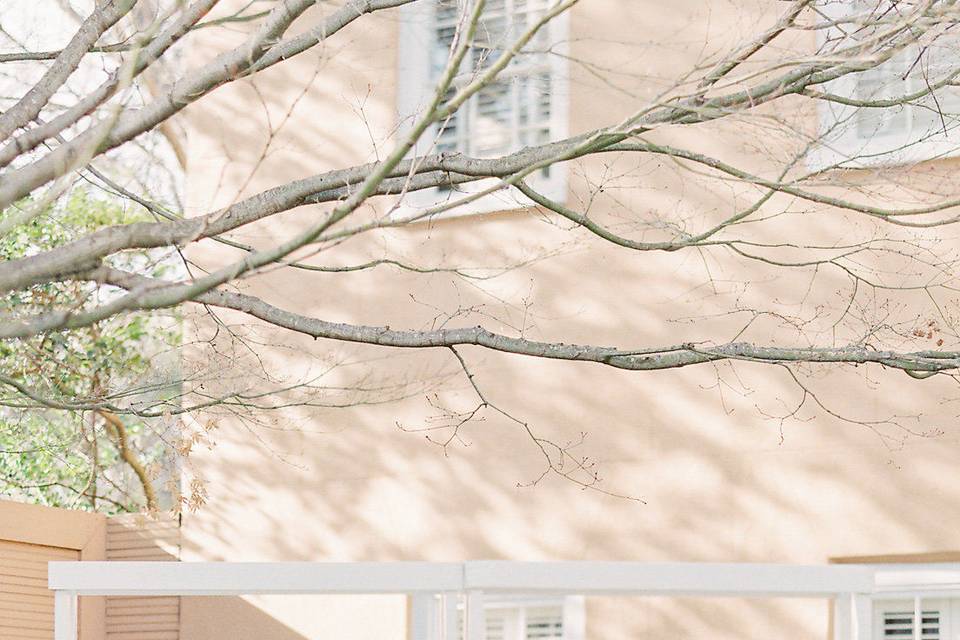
(439, 589)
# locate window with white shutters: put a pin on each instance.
(909, 130)
(520, 618)
(543, 623)
(524, 106)
(898, 620)
(899, 625)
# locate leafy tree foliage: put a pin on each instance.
(56, 450)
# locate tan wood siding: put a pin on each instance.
(26, 605)
(139, 538)
(31, 536)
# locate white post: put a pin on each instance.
(475, 622)
(65, 615)
(421, 623)
(842, 617)
(862, 617)
(449, 625)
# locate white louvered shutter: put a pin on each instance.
(928, 118)
(525, 106)
(543, 623)
(522, 623)
(513, 112)
(500, 623)
(887, 81)
(898, 624)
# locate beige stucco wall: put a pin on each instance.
(717, 478)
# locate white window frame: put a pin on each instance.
(848, 148)
(414, 90)
(573, 610)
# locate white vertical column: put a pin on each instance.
(421, 625)
(842, 617)
(475, 622)
(64, 615)
(449, 624)
(862, 617)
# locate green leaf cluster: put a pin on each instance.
(55, 448)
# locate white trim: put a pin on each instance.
(489, 576)
(421, 621)
(924, 578)
(843, 616)
(474, 616)
(450, 616)
(414, 90)
(574, 618)
(413, 55)
(862, 617)
(65, 615)
(248, 578)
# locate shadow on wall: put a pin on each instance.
(340, 617)
(720, 481)
(237, 620)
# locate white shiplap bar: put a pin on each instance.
(435, 587)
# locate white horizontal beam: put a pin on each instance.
(703, 579)
(247, 578)
(237, 578)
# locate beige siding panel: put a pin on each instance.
(16, 633)
(16, 599)
(38, 595)
(29, 621)
(135, 525)
(24, 553)
(12, 579)
(138, 554)
(23, 570)
(132, 618)
(26, 605)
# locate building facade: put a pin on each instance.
(723, 463)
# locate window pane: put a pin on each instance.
(885, 82)
(450, 129)
(938, 112)
(514, 110)
(491, 132)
